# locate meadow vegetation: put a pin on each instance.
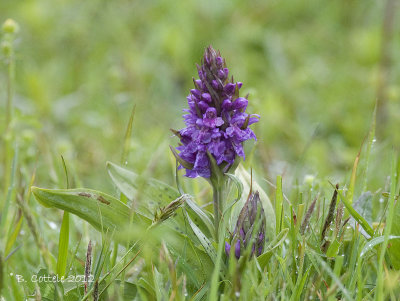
(88, 93)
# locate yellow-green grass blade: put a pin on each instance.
(279, 204)
(63, 246)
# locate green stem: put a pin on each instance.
(8, 118)
(218, 196)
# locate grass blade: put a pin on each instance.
(205, 242)
(9, 193)
(374, 242)
(389, 221)
(356, 215)
(127, 138)
(279, 205)
(63, 246)
(371, 137)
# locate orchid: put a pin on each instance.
(216, 121)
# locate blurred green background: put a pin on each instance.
(314, 70)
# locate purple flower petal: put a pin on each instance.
(227, 248)
(215, 122)
(229, 88)
(240, 103)
(206, 97)
(237, 249)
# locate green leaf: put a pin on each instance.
(374, 242)
(215, 278)
(158, 284)
(279, 239)
(279, 204)
(318, 262)
(333, 248)
(4, 210)
(63, 245)
(239, 186)
(394, 220)
(178, 158)
(300, 286)
(127, 138)
(1, 273)
(371, 137)
(101, 210)
(350, 192)
(363, 205)
(356, 215)
(394, 250)
(49, 290)
(216, 173)
(205, 242)
(148, 194)
(13, 235)
(199, 212)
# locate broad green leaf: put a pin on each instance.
(200, 213)
(101, 210)
(147, 194)
(205, 242)
(195, 263)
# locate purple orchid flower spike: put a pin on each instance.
(216, 122)
(250, 228)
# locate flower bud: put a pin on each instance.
(10, 26)
(250, 228)
(6, 48)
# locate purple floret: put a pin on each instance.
(216, 121)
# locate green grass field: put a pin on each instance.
(89, 190)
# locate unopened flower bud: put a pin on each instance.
(10, 26)
(250, 228)
(6, 48)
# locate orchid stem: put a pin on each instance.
(218, 192)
